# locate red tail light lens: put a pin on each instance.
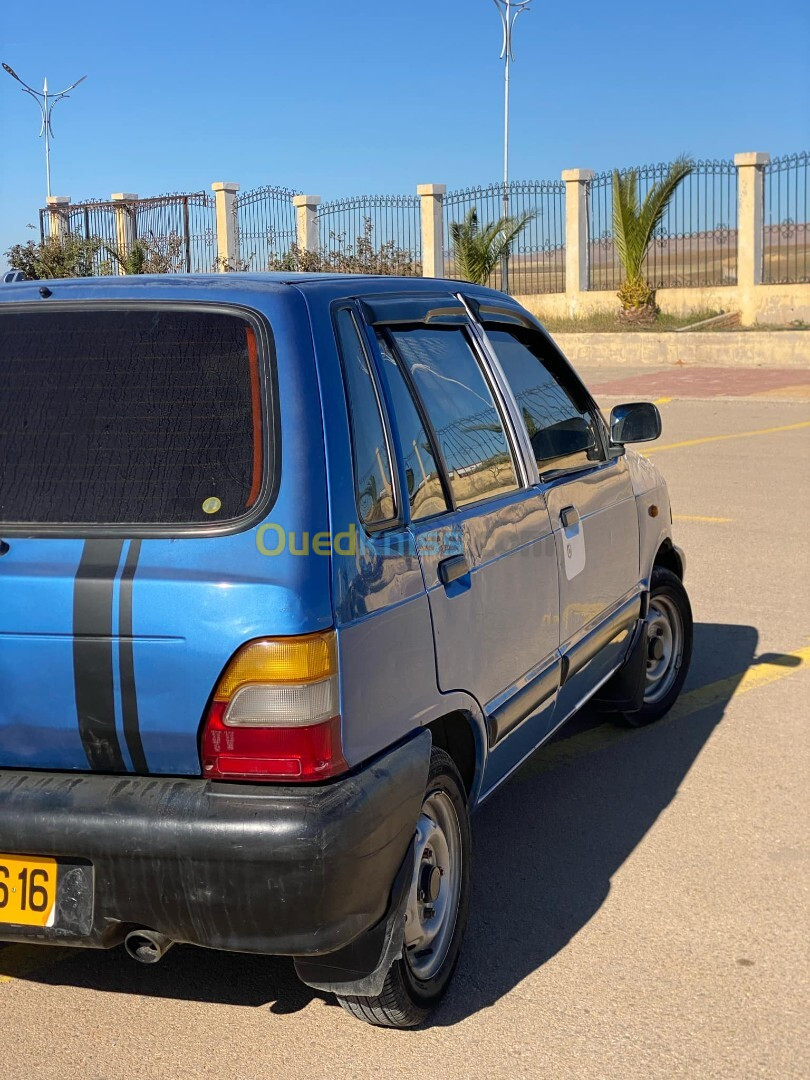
(275, 713)
(262, 753)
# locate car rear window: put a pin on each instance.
(145, 416)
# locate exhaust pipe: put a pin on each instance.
(147, 946)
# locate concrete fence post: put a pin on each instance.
(432, 217)
(750, 214)
(57, 224)
(576, 229)
(124, 223)
(307, 232)
(227, 239)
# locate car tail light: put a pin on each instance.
(275, 713)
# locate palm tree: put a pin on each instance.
(479, 248)
(633, 228)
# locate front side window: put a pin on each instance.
(129, 416)
(425, 492)
(562, 432)
(372, 464)
(461, 409)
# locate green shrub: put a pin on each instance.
(55, 257)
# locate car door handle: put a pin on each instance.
(453, 568)
(569, 516)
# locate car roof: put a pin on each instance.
(247, 282)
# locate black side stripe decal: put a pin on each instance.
(129, 700)
(93, 653)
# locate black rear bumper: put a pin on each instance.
(300, 871)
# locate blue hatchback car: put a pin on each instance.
(294, 572)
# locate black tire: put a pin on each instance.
(669, 588)
(405, 1000)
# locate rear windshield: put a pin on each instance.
(128, 416)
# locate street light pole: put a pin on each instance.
(508, 11)
(45, 101)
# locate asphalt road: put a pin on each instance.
(640, 898)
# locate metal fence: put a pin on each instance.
(180, 230)
(695, 244)
(183, 227)
(379, 234)
(786, 236)
(94, 219)
(265, 227)
(537, 259)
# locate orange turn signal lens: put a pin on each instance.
(280, 660)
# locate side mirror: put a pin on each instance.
(639, 421)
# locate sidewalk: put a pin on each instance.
(787, 384)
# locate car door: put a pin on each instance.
(590, 502)
(484, 537)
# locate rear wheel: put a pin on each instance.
(668, 647)
(436, 912)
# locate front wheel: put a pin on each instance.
(436, 912)
(668, 647)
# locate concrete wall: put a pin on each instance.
(720, 348)
(777, 305)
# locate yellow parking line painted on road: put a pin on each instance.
(662, 401)
(761, 672)
(699, 517)
(17, 961)
(722, 438)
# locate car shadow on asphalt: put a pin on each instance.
(545, 849)
(548, 844)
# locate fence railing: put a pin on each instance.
(265, 227)
(786, 220)
(183, 227)
(743, 222)
(377, 233)
(537, 258)
(91, 220)
(695, 244)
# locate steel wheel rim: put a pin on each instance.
(664, 634)
(431, 921)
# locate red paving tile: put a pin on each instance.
(701, 382)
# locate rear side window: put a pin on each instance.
(141, 416)
(372, 464)
(561, 430)
(461, 408)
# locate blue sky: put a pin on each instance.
(355, 96)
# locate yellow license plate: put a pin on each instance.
(27, 890)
